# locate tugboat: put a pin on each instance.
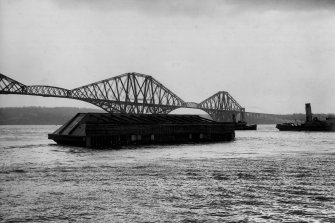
(242, 125)
(311, 124)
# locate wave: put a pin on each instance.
(26, 146)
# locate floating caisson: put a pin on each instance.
(107, 130)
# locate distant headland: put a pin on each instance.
(39, 115)
(59, 115)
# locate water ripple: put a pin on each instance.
(264, 176)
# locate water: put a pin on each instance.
(263, 176)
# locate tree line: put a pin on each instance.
(40, 115)
(60, 115)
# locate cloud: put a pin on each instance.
(151, 7)
(284, 5)
(198, 7)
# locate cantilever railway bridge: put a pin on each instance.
(133, 93)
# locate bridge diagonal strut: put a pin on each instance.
(10, 86)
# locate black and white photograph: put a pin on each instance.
(167, 111)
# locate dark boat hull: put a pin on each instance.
(246, 127)
(315, 126)
(287, 127)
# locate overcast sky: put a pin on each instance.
(272, 56)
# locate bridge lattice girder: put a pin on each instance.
(127, 93)
(8, 85)
(48, 91)
(221, 106)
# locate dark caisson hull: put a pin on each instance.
(105, 130)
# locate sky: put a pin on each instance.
(272, 56)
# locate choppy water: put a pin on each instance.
(263, 176)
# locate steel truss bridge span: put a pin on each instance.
(130, 93)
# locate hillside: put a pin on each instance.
(59, 115)
(39, 115)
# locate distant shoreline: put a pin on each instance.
(59, 115)
(39, 115)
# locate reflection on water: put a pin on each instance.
(263, 176)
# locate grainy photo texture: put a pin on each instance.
(167, 111)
